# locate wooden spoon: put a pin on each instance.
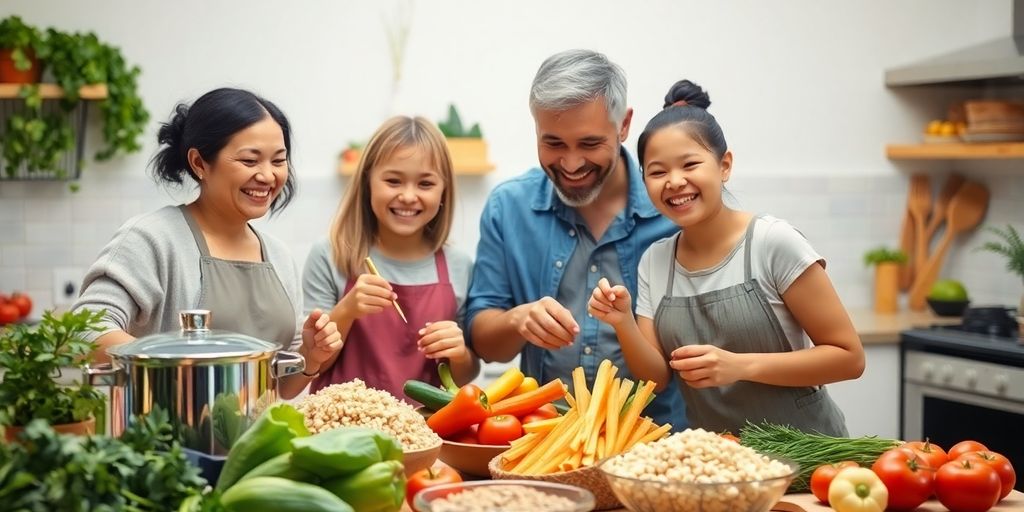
(953, 183)
(966, 209)
(920, 203)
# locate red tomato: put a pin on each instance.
(434, 475)
(822, 478)
(547, 410)
(963, 447)
(9, 313)
(466, 435)
(909, 483)
(1007, 476)
(967, 486)
(930, 452)
(500, 429)
(729, 436)
(532, 417)
(23, 303)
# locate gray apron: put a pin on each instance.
(740, 319)
(244, 296)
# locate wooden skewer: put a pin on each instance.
(373, 270)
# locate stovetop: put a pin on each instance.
(954, 341)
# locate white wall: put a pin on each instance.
(797, 86)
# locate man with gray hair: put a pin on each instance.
(548, 236)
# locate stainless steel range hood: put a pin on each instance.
(998, 61)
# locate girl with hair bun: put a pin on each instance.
(736, 305)
(236, 147)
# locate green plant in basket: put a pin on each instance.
(32, 357)
(884, 255)
(37, 140)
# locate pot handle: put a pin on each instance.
(287, 363)
(105, 374)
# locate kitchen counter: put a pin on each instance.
(875, 328)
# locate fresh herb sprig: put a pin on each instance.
(812, 450)
(883, 255)
(33, 356)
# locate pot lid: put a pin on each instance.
(195, 341)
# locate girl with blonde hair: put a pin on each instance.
(397, 211)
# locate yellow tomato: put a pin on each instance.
(933, 127)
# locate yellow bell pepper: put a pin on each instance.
(504, 385)
(857, 490)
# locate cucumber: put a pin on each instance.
(431, 397)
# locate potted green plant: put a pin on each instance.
(38, 142)
(887, 264)
(18, 45)
(32, 358)
(1010, 245)
(467, 146)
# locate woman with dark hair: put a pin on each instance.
(735, 308)
(205, 255)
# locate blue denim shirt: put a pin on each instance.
(522, 254)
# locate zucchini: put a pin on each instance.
(431, 397)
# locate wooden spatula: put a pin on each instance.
(966, 209)
(907, 246)
(953, 183)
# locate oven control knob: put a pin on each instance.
(928, 370)
(1002, 384)
(947, 373)
(972, 378)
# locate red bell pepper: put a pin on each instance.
(469, 407)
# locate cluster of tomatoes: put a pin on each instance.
(502, 429)
(967, 478)
(13, 308)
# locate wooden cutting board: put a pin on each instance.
(808, 503)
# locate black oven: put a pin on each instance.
(958, 385)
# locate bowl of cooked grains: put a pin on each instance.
(487, 495)
(353, 404)
(695, 470)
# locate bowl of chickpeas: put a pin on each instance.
(503, 495)
(697, 471)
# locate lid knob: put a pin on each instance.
(195, 319)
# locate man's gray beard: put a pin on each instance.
(591, 195)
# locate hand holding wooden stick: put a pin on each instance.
(373, 270)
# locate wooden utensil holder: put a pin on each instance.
(887, 287)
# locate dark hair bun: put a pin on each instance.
(172, 161)
(689, 92)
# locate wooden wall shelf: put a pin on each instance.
(955, 151)
(461, 169)
(469, 158)
(54, 91)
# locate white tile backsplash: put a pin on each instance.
(43, 225)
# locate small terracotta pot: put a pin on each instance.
(81, 428)
(887, 287)
(12, 75)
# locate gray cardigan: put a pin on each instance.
(150, 270)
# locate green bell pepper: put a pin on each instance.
(377, 488)
(343, 451)
(269, 437)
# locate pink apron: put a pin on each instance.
(381, 349)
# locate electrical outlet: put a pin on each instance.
(67, 282)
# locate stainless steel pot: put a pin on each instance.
(211, 383)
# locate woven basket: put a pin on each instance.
(589, 478)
